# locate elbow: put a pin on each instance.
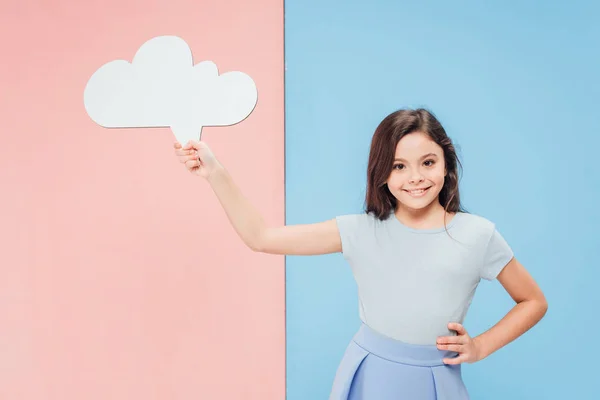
(541, 305)
(537, 304)
(256, 247)
(256, 244)
(543, 309)
(544, 306)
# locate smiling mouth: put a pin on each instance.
(417, 192)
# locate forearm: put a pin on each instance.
(246, 220)
(522, 317)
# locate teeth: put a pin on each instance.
(417, 193)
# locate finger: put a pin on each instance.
(184, 159)
(451, 339)
(451, 347)
(457, 327)
(185, 152)
(177, 145)
(455, 360)
(192, 163)
(192, 144)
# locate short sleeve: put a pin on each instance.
(497, 254)
(348, 226)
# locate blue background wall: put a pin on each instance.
(517, 87)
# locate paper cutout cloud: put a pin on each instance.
(162, 88)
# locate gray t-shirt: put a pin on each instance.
(413, 282)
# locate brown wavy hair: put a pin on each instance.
(379, 200)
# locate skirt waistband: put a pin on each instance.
(398, 351)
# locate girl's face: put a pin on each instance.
(418, 171)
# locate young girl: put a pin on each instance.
(417, 258)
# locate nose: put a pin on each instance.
(416, 178)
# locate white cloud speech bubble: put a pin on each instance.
(162, 88)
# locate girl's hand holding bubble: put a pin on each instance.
(197, 157)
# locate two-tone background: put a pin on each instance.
(120, 276)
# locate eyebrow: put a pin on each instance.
(422, 157)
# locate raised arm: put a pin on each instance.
(305, 239)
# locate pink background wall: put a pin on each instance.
(121, 277)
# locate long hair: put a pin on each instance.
(379, 200)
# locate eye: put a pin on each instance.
(430, 161)
(398, 166)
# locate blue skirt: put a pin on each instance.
(378, 367)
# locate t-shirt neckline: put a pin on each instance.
(397, 222)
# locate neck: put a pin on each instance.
(431, 214)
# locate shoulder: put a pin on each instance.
(478, 221)
(360, 222)
(358, 233)
(363, 217)
(478, 225)
(495, 250)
